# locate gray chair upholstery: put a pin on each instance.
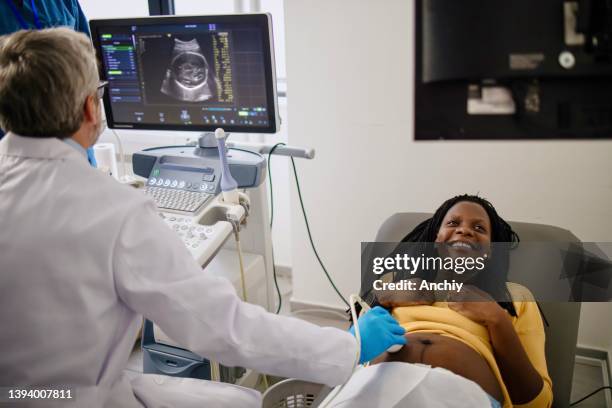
(563, 318)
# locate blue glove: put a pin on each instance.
(378, 331)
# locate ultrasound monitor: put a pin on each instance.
(189, 73)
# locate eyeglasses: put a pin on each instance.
(101, 88)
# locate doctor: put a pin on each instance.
(83, 258)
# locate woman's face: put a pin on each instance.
(466, 230)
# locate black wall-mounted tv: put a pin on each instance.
(513, 69)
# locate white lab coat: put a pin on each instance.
(83, 258)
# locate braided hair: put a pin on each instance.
(493, 282)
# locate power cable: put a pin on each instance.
(314, 249)
(278, 292)
(590, 395)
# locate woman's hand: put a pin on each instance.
(398, 298)
(476, 305)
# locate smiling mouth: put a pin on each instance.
(463, 245)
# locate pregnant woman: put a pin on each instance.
(498, 345)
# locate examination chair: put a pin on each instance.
(562, 318)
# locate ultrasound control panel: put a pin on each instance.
(177, 177)
(175, 185)
(187, 179)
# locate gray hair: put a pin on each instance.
(45, 78)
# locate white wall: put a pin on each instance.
(114, 8)
(350, 70)
(595, 326)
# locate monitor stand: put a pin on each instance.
(207, 140)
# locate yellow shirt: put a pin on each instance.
(440, 319)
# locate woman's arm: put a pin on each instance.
(523, 382)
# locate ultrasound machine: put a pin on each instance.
(199, 73)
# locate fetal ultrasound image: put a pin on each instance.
(179, 70)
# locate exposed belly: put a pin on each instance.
(441, 351)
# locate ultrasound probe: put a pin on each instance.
(229, 187)
(356, 299)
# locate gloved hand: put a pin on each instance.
(378, 331)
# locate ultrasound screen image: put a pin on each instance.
(179, 69)
(189, 77)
